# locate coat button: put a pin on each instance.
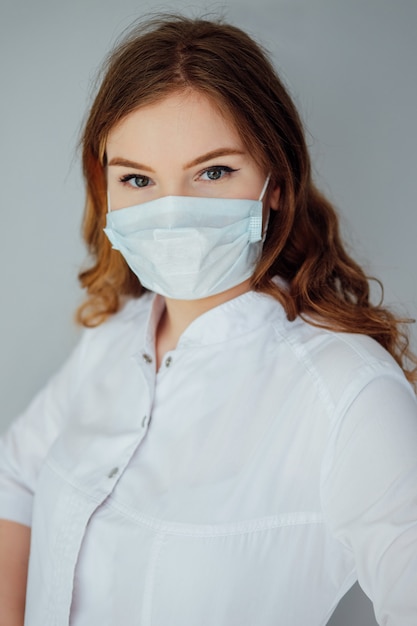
(168, 361)
(113, 472)
(147, 357)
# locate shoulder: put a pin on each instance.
(339, 364)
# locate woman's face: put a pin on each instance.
(180, 146)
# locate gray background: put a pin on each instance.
(350, 65)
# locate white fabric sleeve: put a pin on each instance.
(25, 444)
(369, 495)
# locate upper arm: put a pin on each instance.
(369, 495)
(25, 444)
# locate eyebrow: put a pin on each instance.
(213, 154)
(130, 164)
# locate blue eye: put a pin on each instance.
(217, 172)
(135, 180)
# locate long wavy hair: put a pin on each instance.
(303, 244)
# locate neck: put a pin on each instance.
(179, 314)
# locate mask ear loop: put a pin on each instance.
(108, 201)
(261, 197)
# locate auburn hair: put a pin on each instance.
(303, 245)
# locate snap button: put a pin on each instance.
(113, 472)
(147, 358)
(168, 361)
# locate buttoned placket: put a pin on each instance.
(144, 361)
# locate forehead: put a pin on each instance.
(190, 122)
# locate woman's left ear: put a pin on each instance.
(274, 197)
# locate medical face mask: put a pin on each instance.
(186, 247)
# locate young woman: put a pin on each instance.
(234, 439)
